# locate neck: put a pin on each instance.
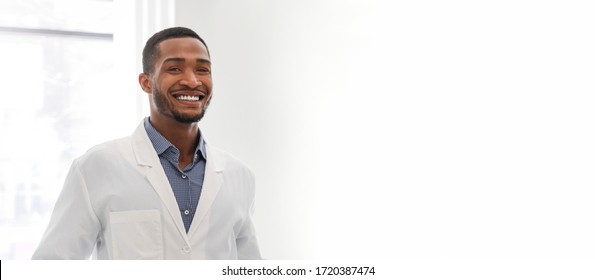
(184, 136)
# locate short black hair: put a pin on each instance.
(151, 50)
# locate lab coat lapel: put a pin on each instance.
(210, 187)
(149, 163)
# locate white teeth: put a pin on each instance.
(188, 98)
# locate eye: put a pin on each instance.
(203, 70)
(173, 70)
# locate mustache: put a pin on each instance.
(187, 88)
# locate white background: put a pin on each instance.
(411, 130)
(415, 130)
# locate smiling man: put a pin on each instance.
(164, 192)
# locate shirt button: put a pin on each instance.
(186, 212)
(184, 176)
(186, 249)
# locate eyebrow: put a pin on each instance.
(179, 59)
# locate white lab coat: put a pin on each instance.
(117, 201)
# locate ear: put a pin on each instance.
(145, 82)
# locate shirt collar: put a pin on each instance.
(161, 144)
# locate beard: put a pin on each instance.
(165, 108)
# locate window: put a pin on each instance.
(59, 97)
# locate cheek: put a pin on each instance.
(207, 81)
(165, 85)
(210, 87)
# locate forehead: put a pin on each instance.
(187, 47)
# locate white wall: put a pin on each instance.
(421, 130)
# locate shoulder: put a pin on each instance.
(107, 152)
(223, 160)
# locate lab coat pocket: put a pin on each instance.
(136, 234)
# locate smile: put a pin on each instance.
(192, 98)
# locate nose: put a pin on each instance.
(190, 79)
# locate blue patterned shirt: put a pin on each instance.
(186, 183)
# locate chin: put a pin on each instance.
(187, 118)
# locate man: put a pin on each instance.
(164, 192)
